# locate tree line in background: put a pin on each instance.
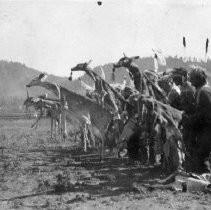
(14, 77)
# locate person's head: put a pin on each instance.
(177, 79)
(197, 76)
(165, 83)
(179, 75)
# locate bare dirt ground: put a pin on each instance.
(39, 173)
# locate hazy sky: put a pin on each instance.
(53, 36)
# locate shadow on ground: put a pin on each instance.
(74, 171)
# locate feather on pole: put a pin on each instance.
(207, 45)
(184, 42)
(155, 63)
(159, 59)
(206, 49)
(184, 49)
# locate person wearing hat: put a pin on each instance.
(201, 119)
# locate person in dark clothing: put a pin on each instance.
(174, 93)
(185, 99)
(186, 104)
(201, 119)
(187, 92)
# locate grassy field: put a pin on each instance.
(37, 172)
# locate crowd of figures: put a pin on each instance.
(159, 117)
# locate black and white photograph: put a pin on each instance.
(105, 104)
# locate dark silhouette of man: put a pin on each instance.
(201, 119)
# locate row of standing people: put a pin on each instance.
(192, 95)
